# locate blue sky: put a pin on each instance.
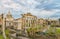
(40, 8)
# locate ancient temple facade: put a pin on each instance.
(29, 21)
(9, 20)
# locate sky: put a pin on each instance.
(39, 8)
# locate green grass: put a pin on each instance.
(7, 33)
(57, 31)
(1, 37)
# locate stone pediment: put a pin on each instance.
(28, 15)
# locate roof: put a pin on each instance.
(28, 14)
(9, 15)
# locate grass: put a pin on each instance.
(57, 31)
(1, 36)
(7, 33)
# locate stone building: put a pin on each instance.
(1, 22)
(59, 21)
(29, 21)
(17, 23)
(40, 21)
(9, 20)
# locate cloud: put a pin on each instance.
(45, 13)
(49, 13)
(40, 8)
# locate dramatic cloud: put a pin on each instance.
(40, 8)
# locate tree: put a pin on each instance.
(32, 31)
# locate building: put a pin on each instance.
(59, 20)
(40, 21)
(1, 19)
(9, 20)
(1, 22)
(17, 23)
(29, 21)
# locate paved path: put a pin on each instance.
(24, 38)
(20, 37)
